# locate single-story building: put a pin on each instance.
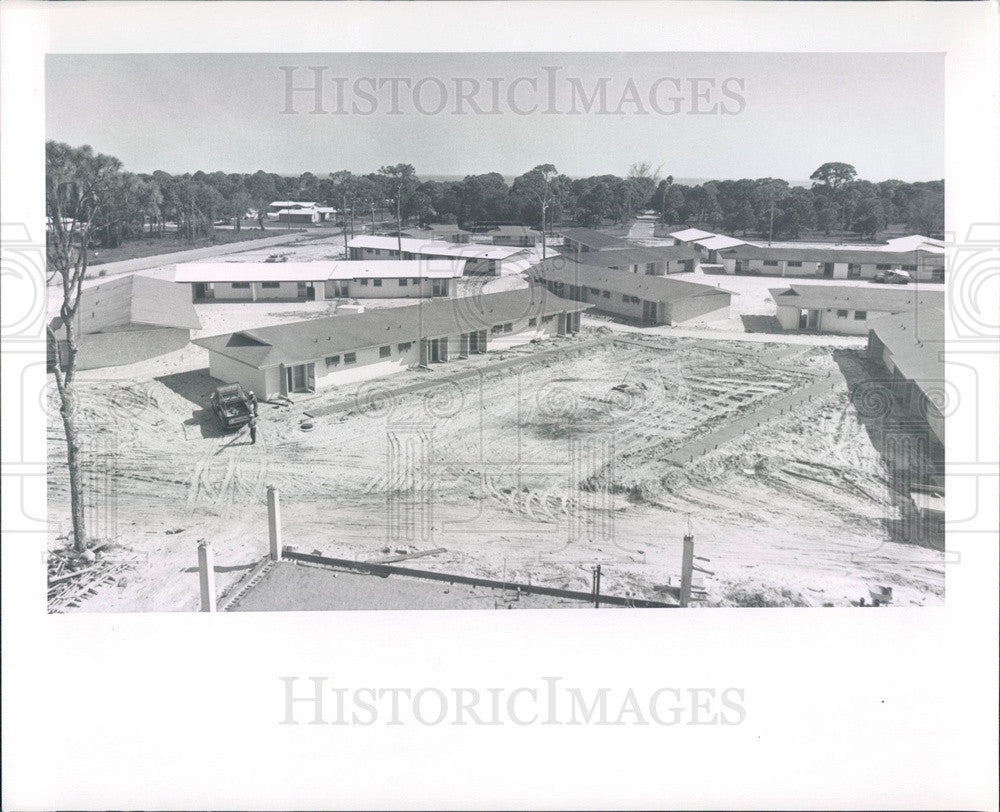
(910, 346)
(280, 205)
(521, 236)
(299, 215)
(924, 263)
(129, 319)
(337, 350)
(316, 281)
(844, 309)
(587, 239)
(649, 299)
(469, 259)
(436, 231)
(651, 261)
(689, 235)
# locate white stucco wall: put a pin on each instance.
(229, 370)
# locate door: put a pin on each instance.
(828, 269)
(310, 293)
(299, 379)
(199, 291)
(813, 322)
(803, 319)
(649, 311)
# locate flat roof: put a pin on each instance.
(635, 256)
(692, 234)
(858, 297)
(318, 271)
(514, 231)
(827, 252)
(302, 341)
(592, 238)
(651, 288)
(435, 247)
(720, 241)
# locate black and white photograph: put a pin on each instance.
(495, 331)
(318, 313)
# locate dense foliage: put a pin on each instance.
(837, 201)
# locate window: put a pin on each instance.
(270, 284)
(860, 315)
(635, 300)
(377, 283)
(883, 266)
(333, 361)
(378, 252)
(364, 282)
(626, 299)
(404, 282)
(595, 291)
(650, 267)
(841, 314)
(439, 287)
(533, 322)
(384, 352)
(350, 357)
(547, 319)
(239, 285)
(909, 267)
(508, 327)
(771, 263)
(404, 347)
(496, 329)
(415, 281)
(792, 264)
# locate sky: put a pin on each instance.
(694, 115)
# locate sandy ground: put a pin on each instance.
(535, 472)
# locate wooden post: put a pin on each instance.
(687, 569)
(597, 586)
(206, 574)
(274, 522)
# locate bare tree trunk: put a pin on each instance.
(68, 411)
(399, 227)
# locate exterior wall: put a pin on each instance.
(230, 370)
(369, 364)
(926, 270)
(828, 321)
(285, 292)
(224, 291)
(517, 242)
(391, 289)
(97, 350)
(710, 307)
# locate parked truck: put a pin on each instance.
(233, 405)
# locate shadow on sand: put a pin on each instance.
(912, 455)
(761, 324)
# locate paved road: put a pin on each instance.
(641, 230)
(159, 260)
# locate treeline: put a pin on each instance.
(837, 202)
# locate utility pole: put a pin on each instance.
(596, 573)
(206, 576)
(770, 230)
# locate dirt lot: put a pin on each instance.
(533, 471)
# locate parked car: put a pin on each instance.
(893, 277)
(233, 406)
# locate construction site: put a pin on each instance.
(531, 477)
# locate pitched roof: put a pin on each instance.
(915, 341)
(318, 271)
(858, 297)
(435, 247)
(303, 341)
(692, 234)
(651, 288)
(592, 238)
(135, 300)
(635, 256)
